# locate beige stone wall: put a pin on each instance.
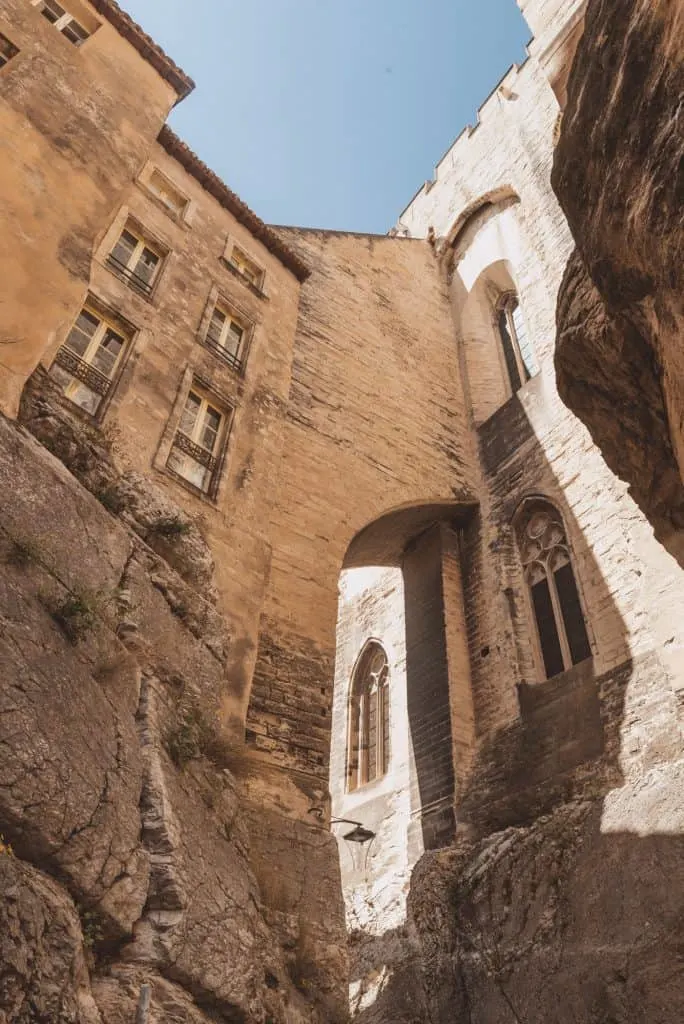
(73, 134)
(375, 422)
(167, 351)
(376, 876)
(531, 444)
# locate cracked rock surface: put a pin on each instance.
(126, 852)
(618, 174)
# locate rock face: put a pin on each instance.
(618, 173)
(574, 918)
(126, 853)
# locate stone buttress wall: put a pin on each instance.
(375, 421)
(74, 133)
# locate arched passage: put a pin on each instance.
(402, 729)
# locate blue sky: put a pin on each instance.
(331, 113)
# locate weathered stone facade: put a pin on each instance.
(385, 422)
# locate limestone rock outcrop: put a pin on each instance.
(576, 917)
(618, 173)
(126, 852)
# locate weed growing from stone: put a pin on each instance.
(111, 500)
(170, 527)
(75, 615)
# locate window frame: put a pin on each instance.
(359, 737)
(63, 21)
(232, 264)
(6, 57)
(505, 306)
(522, 519)
(81, 367)
(189, 446)
(178, 214)
(239, 260)
(125, 271)
(219, 304)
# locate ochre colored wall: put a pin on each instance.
(376, 421)
(73, 133)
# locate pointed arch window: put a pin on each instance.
(518, 352)
(368, 739)
(554, 596)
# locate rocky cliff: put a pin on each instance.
(619, 175)
(128, 854)
(572, 919)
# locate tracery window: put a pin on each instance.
(368, 739)
(517, 347)
(554, 597)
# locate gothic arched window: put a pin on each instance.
(368, 740)
(555, 600)
(517, 346)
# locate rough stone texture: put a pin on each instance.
(43, 972)
(73, 133)
(618, 176)
(375, 422)
(575, 918)
(116, 781)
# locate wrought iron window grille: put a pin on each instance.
(131, 278)
(83, 371)
(195, 451)
(213, 343)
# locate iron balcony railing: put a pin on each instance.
(195, 451)
(213, 342)
(77, 367)
(130, 277)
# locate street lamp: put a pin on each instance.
(359, 834)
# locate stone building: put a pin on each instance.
(389, 559)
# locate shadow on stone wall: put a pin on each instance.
(562, 895)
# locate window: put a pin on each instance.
(7, 50)
(226, 336)
(368, 740)
(246, 267)
(555, 600)
(63, 21)
(197, 442)
(517, 347)
(167, 194)
(85, 364)
(136, 260)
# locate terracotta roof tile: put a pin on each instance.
(211, 182)
(146, 46)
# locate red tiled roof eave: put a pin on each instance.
(212, 184)
(146, 46)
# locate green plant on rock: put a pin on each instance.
(110, 499)
(76, 615)
(171, 527)
(195, 735)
